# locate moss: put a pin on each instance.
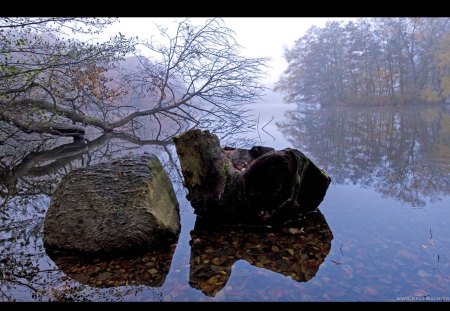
(224, 168)
(192, 165)
(324, 174)
(161, 196)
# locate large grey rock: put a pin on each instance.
(121, 206)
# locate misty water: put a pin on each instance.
(382, 233)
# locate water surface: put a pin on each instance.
(383, 233)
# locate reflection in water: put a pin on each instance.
(29, 172)
(296, 252)
(148, 269)
(26, 273)
(379, 252)
(401, 152)
(31, 166)
(36, 172)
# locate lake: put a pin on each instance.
(382, 234)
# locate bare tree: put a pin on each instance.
(198, 76)
(195, 78)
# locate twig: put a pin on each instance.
(257, 128)
(340, 249)
(266, 125)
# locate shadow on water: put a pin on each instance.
(296, 252)
(401, 152)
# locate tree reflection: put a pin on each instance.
(400, 152)
(25, 176)
(296, 252)
(26, 273)
(31, 167)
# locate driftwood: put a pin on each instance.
(259, 186)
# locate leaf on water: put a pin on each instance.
(196, 269)
(209, 288)
(294, 231)
(152, 271)
(424, 246)
(216, 261)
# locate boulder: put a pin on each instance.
(124, 206)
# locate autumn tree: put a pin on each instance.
(381, 61)
(53, 83)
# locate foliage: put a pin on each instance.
(194, 77)
(381, 61)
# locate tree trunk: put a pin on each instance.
(259, 186)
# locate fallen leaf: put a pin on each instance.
(294, 230)
(152, 271)
(216, 261)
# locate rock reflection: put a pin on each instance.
(295, 251)
(148, 269)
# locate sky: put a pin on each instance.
(260, 37)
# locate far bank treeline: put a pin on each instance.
(370, 61)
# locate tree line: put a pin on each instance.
(370, 61)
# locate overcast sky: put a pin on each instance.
(260, 37)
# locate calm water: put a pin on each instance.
(383, 233)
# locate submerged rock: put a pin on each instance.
(258, 186)
(126, 205)
(296, 251)
(148, 269)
